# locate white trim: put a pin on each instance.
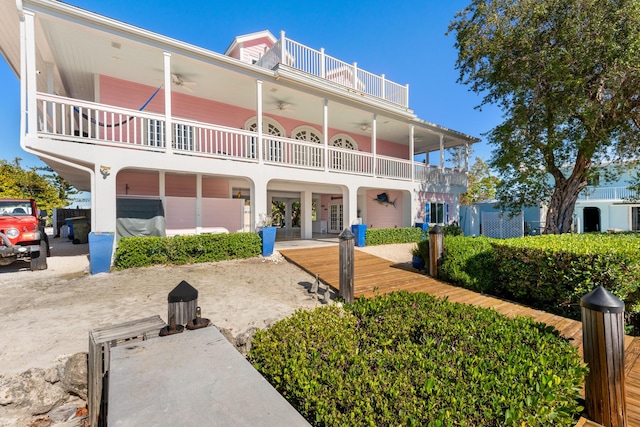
(251, 36)
(346, 138)
(308, 129)
(265, 122)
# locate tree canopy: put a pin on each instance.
(43, 185)
(482, 185)
(567, 78)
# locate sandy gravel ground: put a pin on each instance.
(47, 314)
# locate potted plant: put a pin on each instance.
(420, 255)
(267, 233)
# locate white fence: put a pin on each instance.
(501, 225)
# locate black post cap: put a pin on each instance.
(346, 234)
(436, 230)
(184, 292)
(602, 300)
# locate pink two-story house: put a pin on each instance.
(170, 138)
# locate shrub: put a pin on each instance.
(549, 272)
(553, 272)
(412, 359)
(387, 236)
(469, 262)
(145, 251)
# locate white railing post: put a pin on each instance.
(283, 48)
(355, 75)
(382, 84)
(406, 100)
(322, 65)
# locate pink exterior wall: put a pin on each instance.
(138, 183)
(384, 215)
(180, 215)
(254, 49)
(425, 198)
(180, 185)
(227, 213)
(215, 187)
(122, 93)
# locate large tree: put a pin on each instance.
(566, 74)
(48, 189)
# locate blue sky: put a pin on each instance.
(404, 40)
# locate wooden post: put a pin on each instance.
(346, 264)
(603, 347)
(436, 249)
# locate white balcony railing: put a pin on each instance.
(607, 193)
(317, 63)
(81, 121)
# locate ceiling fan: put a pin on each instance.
(364, 127)
(282, 105)
(178, 80)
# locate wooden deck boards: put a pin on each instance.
(377, 276)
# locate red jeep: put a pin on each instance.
(22, 233)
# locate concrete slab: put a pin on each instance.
(193, 378)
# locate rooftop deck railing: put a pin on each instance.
(81, 121)
(318, 63)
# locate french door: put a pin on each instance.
(335, 218)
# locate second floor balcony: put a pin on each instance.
(617, 193)
(61, 118)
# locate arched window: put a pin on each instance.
(344, 141)
(305, 155)
(341, 160)
(307, 133)
(272, 148)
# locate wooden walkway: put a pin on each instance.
(377, 276)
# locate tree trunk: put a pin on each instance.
(563, 202)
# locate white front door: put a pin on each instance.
(335, 218)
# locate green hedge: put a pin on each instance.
(468, 262)
(415, 360)
(387, 236)
(550, 272)
(145, 251)
(555, 271)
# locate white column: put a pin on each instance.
(23, 81)
(283, 48)
(349, 205)
(104, 200)
(288, 208)
(258, 201)
(162, 185)
(167, 103)
(198, 203)
(325, 133)
(441, 152)
(32, 88)
(374, 146)
(306, 210)
(412, 147)
(259, 120)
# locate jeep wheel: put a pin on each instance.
(39, 259)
